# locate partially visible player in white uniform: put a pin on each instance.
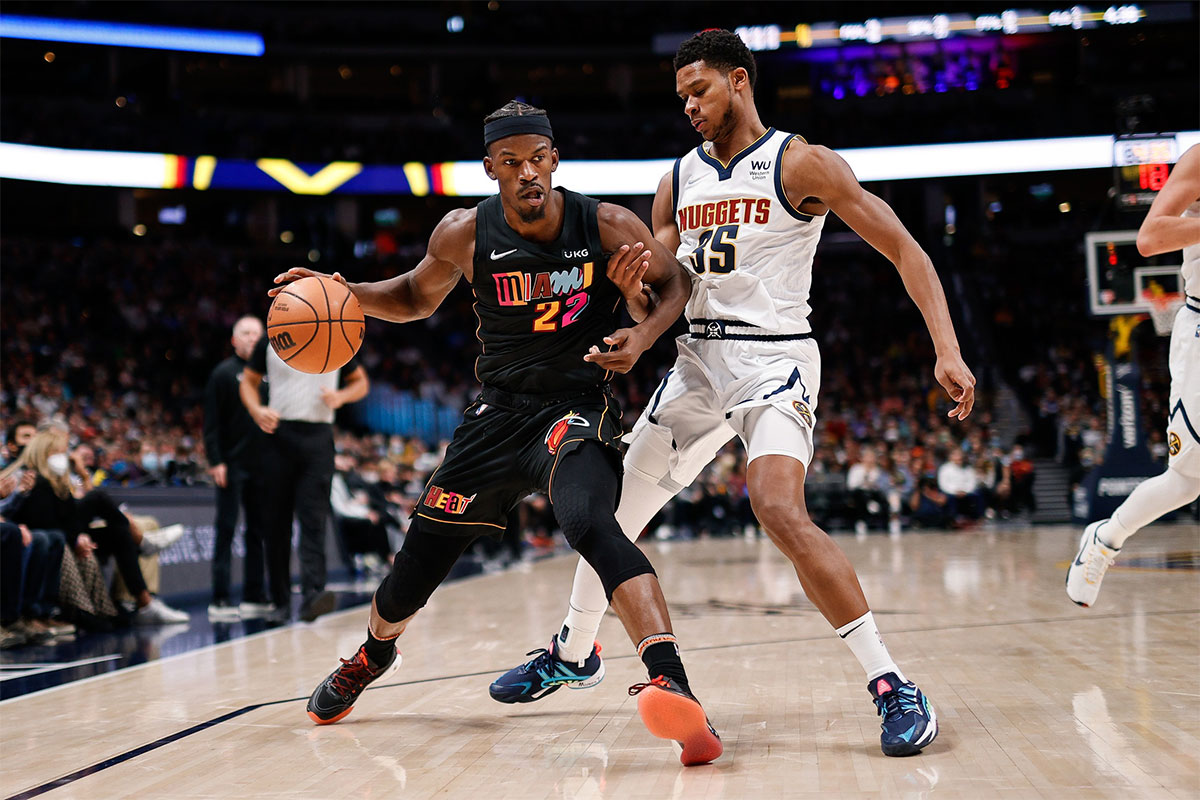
(1172, 223)
(744, 212)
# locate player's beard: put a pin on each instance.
(531, 214)
(725, 127)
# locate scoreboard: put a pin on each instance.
(1141, 164)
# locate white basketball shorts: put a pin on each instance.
(763, 392)
(1183, 420)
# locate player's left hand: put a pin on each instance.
(627, 344)
(956, 378)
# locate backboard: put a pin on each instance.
(1118, 274)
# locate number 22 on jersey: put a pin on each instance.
(547, 313)
(716, 251)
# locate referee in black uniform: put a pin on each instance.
(545, 418)
(232, 443)
(297, 467)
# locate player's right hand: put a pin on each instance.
(296, 273)
(266, 418)
(956, 378)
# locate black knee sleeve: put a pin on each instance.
(615, 558)
(584, 496)
(421, 565)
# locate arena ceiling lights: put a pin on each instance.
(467, 179)
(122, 34)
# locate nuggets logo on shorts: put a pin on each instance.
(802, 410)
(450, 502)
(1173, 443)
(558, 431)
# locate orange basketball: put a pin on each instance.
(315, 325)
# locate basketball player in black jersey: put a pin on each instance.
(545, 419)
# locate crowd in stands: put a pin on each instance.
(115, 341)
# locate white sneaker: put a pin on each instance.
(252, 610)
(156, 612)
(222, 612)
(160, 539)
(1091, 562)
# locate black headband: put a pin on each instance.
(514, 126)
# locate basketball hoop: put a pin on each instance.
(1163, 306)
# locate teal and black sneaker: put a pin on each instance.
(908, 719)
(545, 673)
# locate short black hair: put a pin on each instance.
(11, 432)
(514, 108)
(720, 49)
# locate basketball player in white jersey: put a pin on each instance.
(744, 212)
(1172, 223)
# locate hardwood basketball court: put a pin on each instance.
(1036, 697)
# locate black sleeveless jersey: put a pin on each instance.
(542, 306)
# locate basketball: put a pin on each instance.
(315, 325)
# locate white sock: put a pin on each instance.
(1151, 499)
(641, 499)
(864, 641)
(588, 603)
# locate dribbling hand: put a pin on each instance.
(956, 378)
(296, 273)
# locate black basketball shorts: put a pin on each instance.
(501, 454)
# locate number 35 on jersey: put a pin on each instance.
(716, 248)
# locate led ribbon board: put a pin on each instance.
(122, 34)
(467, 179)
(946, 26)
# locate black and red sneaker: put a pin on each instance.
(335, 697)
(671, 712)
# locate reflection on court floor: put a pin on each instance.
(1036, 697)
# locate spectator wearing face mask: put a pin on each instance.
(51, 507)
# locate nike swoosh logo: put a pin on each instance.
(852, 630)
(496, 256)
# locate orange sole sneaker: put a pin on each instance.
(331, 720)
(670, 715)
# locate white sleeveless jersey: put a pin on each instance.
(750, 251)
(1191, 258)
